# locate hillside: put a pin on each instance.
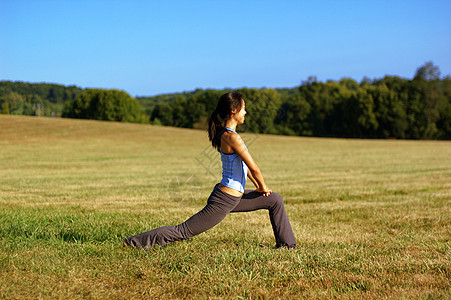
(371, 217)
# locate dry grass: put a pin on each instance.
(372, 217)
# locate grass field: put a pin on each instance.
(372, 217)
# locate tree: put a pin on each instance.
(390, 112)
(5, 108)
(109, 105)
(13, 101)
(320, 97)
(444, 121)
(428, 71)
(353, 112)
(262, 105)
(163, 113)
(292, 117)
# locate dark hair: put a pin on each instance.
(216, 123)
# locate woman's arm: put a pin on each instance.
(249, 175)
(238, 146)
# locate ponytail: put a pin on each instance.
(214, 129)
(216, 123)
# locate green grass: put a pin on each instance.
(371, 217)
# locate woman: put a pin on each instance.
(229, 195)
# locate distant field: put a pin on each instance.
(372, 217)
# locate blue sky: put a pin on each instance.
(155, 47)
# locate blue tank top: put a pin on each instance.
(234, 170)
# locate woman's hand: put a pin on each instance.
(265, 191)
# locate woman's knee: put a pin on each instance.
(276, 199)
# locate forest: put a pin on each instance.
(388, 107)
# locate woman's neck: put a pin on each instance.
(230, 124)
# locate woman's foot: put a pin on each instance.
(285, 246)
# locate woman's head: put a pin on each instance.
(228, 104)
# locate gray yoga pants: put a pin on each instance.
(219, 204)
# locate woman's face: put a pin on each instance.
(239, 116)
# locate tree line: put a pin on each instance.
(35, 99)
(390, 107)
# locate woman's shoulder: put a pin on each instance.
(231, 137)
(232, 140)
